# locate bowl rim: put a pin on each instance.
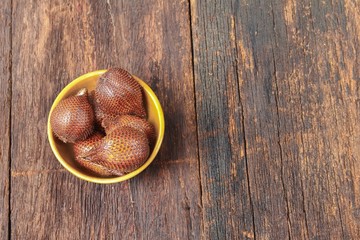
(105, 180)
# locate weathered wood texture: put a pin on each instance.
(5, 102)
(261, 141)
(56, 41)
(227, 209)
(277, 93)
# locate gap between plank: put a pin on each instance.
(10, 116)
(196, 119)
(36, 172)
(278, 127)
(61, 170)
(244, 131)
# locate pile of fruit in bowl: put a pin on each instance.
(107, 127)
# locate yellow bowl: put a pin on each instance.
(64, 153)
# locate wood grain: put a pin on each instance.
(296, 67)
(46, 201)
(65, 40)
(54, 204)
(5, 102)
(227, 212)
(154, 40)
(326, 89)
(261, 100)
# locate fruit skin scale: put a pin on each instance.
(73, 118)
(124, 149)
(100, 116)
(81, 148)
(111, 123)
(117, 92)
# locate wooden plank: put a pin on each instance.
(274, 164)
(317, 84)
(227, 206)
(153, 41)
(52, 204)
(267, 163)
(298, 74)
(48, 203)
(65, 40)
(5, 105)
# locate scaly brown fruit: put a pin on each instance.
(118, 93)
(73, 118)
(124, 149)
(111, 123)
(82, 148)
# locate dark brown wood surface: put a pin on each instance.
(261, 102)
(5, 105)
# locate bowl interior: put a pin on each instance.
(64, 152)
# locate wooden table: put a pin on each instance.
(262, 108)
